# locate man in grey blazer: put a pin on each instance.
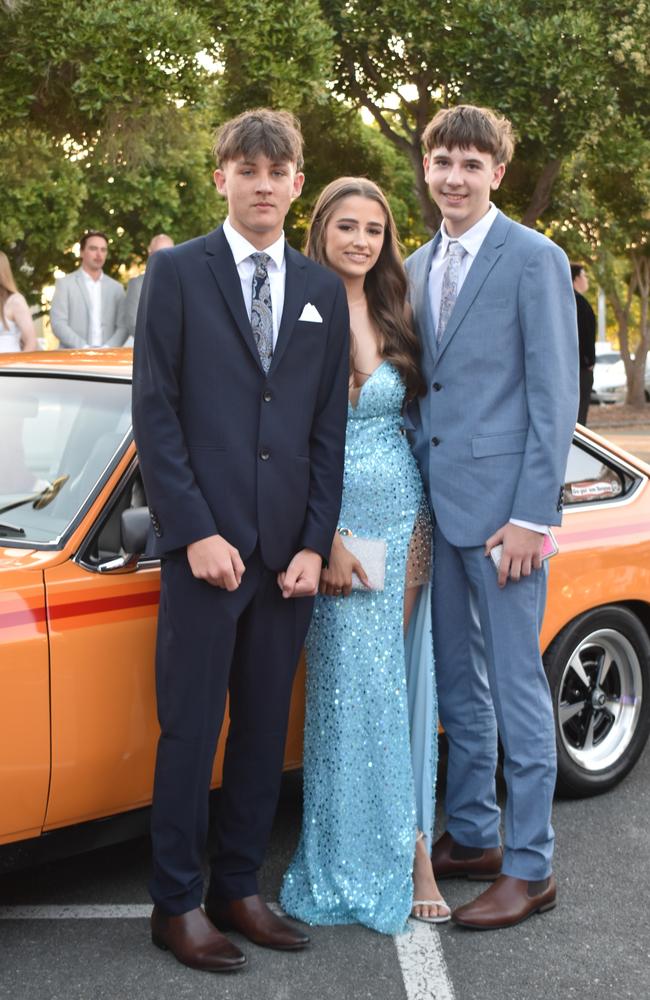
(494, 308)
(134, 288)
(88, 306)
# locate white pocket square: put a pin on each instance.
(310, 314)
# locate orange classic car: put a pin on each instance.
(78, 606)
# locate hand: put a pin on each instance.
(336, 580)
(522, 551)
(300, 579)
(216, 561)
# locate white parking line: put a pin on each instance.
(419, 950)
(423, 965)
(96, 911)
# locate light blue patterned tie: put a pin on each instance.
(455, 254)
(261, 309)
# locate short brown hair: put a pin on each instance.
(276, 134)
(89, 234)
(465, 126)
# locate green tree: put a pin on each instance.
(553, 69)
(42, 194)
(270, 53)
(602, 214)
(104, 118)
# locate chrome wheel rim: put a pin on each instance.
(599, 699)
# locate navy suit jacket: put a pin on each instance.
(225, 448)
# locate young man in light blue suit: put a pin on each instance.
(494, 308)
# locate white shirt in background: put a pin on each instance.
(94, 289)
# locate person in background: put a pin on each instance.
(17, 331)
(88, 306)
(134, 288)
(586, 339)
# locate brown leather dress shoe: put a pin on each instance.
(194, 941)
(253, 918)
(452, 860)
(506, 903)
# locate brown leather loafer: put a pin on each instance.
(506, 903)
(253, 918)
(452, 860)
(194, 941)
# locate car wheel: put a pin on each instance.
(598, 669)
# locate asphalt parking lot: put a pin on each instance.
(594, 946)
(626, 428)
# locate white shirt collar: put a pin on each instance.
(241, 248)
(471, 240)
(93, 281)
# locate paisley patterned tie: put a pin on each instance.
(455, 254)
(261, 310)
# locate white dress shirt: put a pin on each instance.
(94, 289)
(471, 241)
(241, 250)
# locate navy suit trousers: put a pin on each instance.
(212, 642)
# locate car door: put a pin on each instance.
(102, 640)
(24, 697)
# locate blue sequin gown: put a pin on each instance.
(366, 791)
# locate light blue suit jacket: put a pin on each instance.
(493, 432)
(70, 314)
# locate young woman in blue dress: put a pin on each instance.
(371, 720)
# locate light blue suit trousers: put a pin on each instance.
(491, 436)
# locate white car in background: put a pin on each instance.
(610, 380)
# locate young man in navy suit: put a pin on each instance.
(494, 309)
(240, 404)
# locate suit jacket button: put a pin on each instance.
(436, 387)
(267, 395)
(265, 454)
(435, 441)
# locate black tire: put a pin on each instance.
(602, 719)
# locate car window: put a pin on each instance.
(59, 436)
(608, 359)
(589, 478)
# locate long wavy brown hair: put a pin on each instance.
(385, 285)
(7, 285)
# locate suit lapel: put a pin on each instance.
(222, 265)
(486, 258)
(81, 284)
(294, 300)
(423, 301)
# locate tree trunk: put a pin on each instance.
(429, 209)
(541, 196)
(634, 366)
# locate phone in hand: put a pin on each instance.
(549, 548)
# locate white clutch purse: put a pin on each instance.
(371, 553)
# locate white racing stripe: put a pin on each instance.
(423, 964)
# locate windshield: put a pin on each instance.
(608, 359)
(58, 435)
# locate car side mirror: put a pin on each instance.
(134, 529)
